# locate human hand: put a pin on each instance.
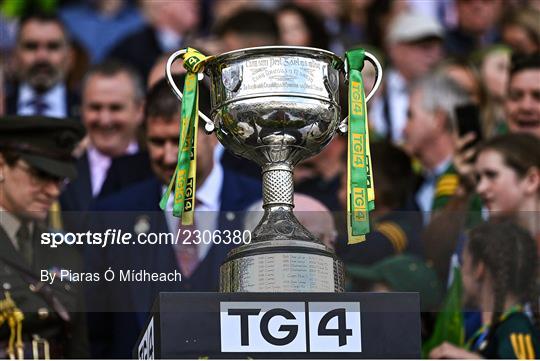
(446, 350)
(464, 160)
(81, 147)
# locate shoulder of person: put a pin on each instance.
(518, 338)
(133, 197)
(394, 232)
(132, 39)
(517, 322)
(239, 190)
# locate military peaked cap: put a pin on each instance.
(43, 142)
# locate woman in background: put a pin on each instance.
(508, 179)
(521, 30)
(499, 271)
(493, 65)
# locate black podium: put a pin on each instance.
(282, 325)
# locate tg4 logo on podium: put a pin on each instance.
(290, 327)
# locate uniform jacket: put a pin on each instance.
(53, 312)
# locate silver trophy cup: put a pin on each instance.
(277, 106)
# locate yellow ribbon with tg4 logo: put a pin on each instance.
(184, 177)
(360, 191)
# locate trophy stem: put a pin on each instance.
(278, 186)
(278, 222)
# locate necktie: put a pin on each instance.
(39, 105)
(24, 241)
(187, 253)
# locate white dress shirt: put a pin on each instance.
(55, 99)
(208, 197)
(99, 166)
(168, 40)
(397, 96)
(426, 192)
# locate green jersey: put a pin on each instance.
(515, 337)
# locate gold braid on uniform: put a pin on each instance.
(13, 315)
(394, 233)
(55, 217)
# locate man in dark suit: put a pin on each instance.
(38, 318)
(42, 60)
(220, 195)
(472, 31)
(246, 28)
(112, 112)
(169, 22)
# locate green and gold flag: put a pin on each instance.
(449, 325)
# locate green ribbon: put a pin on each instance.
(361, 196)
(184, 177)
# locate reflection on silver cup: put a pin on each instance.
(277, 106)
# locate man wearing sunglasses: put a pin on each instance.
(38, 318)
(43, 57)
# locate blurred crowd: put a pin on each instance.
(455, 131)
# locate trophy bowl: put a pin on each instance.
(277, 106)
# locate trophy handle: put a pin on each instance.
(342, 127)
(209, 126)
(378, 74)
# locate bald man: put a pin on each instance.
(311, 213)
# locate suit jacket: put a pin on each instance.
(140, 49)
(42, 304)
(72, 102)
(240, 165)
(134, 210)
(458, 43)
(77, 197)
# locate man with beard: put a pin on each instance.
(42, 60)
(120, 309)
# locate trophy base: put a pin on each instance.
(282, 266)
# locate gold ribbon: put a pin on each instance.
(184, 177)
